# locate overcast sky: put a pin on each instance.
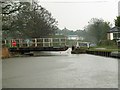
(75, 14)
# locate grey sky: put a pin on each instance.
(75, 14)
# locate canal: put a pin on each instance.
(60, 70)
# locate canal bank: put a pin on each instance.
(97, 51)
(5, 52)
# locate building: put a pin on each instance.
(114, 33)
(73, 37)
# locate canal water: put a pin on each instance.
(60, 70)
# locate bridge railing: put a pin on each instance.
(36, 42)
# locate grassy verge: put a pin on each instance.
(105, 48)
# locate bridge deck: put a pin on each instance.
(28, 49)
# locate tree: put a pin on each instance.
(117, 21)
(32, 20)
(97, 30)
(9, 11)
(9, 7)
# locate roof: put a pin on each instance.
(72, 35)
(57, 36)
(114, 29)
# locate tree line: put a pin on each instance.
(95, 31)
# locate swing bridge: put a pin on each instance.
(36, 44)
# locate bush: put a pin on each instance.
(108, 43)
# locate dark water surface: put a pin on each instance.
(60, 71)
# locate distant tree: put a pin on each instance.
(97, 30)
(81, 33)
(66, 32)
(117, 21)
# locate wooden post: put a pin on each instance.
(65, 42)
(35, 42)
(19, 43)
(59, 41)
(5, 42)
(11, 43)
(22, 43)
(51, 41)
(43, 42)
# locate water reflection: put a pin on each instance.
(53, 53)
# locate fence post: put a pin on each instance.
(49, 41)
(19, 43)
(59, 41)
(43, 42)
(35, 42)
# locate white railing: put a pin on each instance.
(36, 42)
